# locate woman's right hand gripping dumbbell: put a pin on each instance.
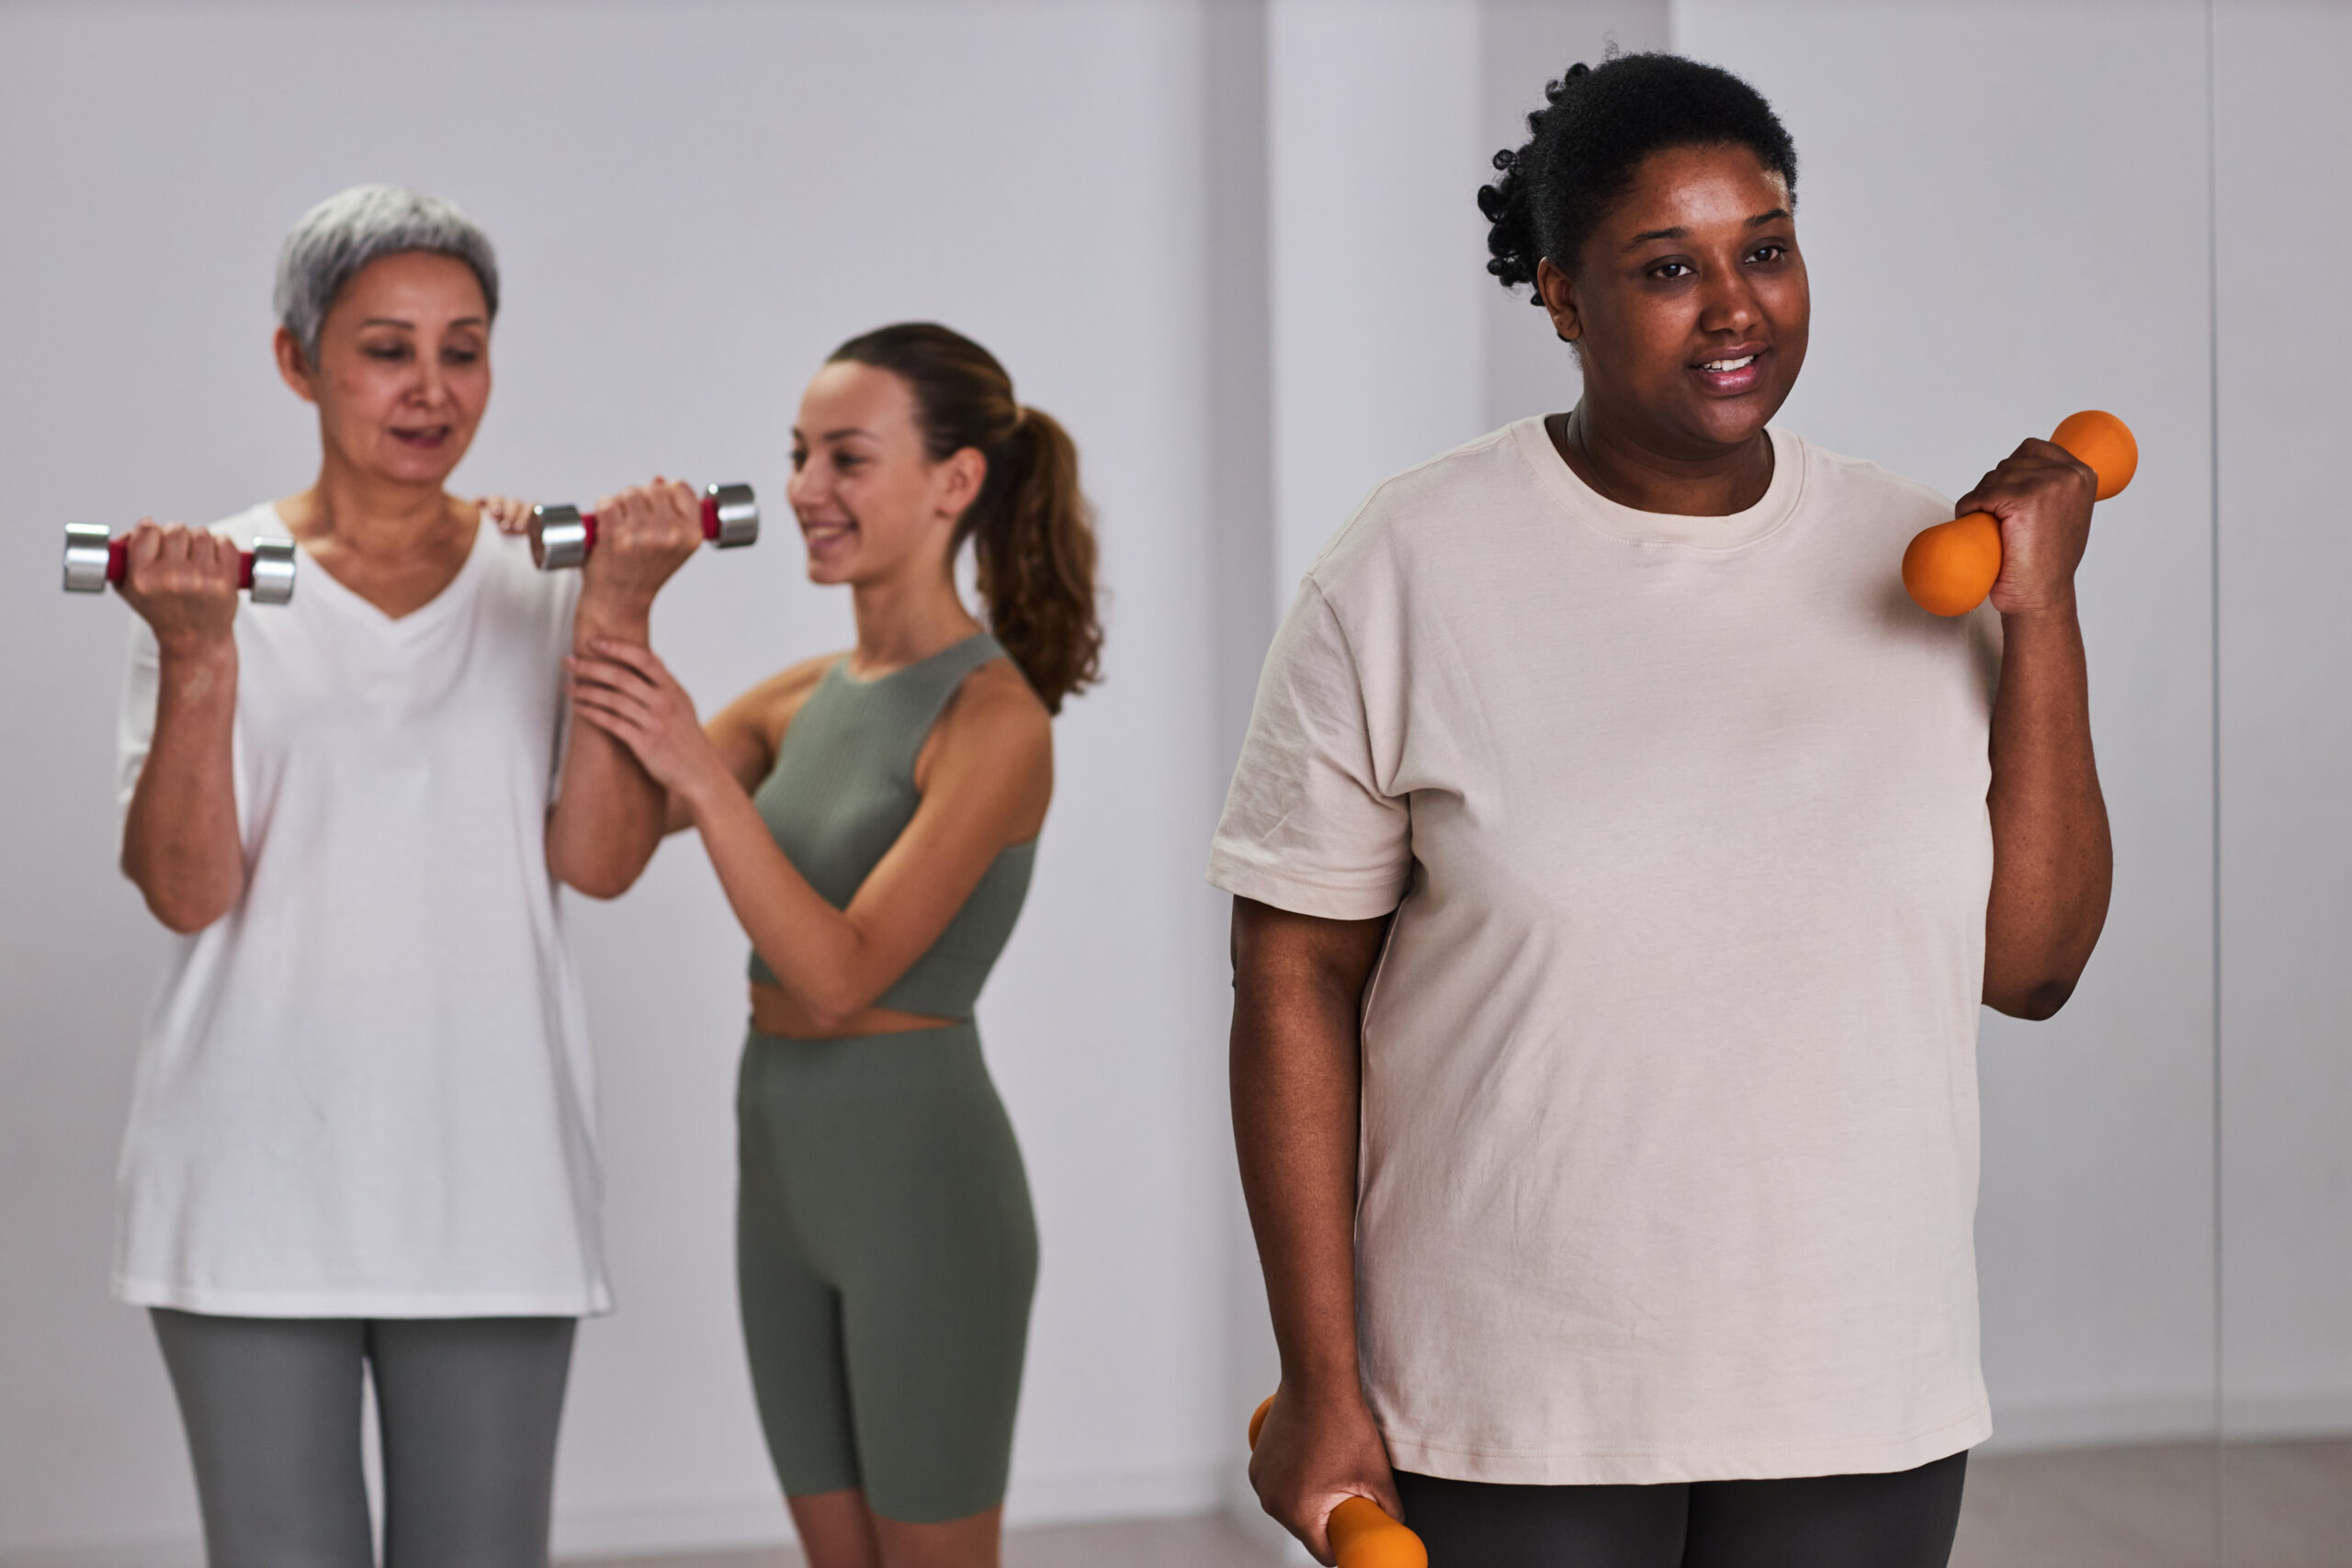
(643, 534)
(183, 583)
(1314, 1453)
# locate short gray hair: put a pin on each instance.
(352, 227)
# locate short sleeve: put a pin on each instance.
(1307, 827)
(135, 723)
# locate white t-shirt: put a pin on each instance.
(366, 1091)
(1669, 1149)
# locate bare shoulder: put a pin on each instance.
(996, 708)
(996, 728)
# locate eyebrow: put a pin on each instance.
(1678, 233)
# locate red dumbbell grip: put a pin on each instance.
(710, 521)
(119, 562)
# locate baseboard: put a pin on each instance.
(168, 1551)
(723, 1525)
(2032, 1427)
(720, 1525)
(2297, 1417)
(2124, 1422)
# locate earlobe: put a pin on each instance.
(293, 366)
(1556, 292)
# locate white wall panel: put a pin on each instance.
(692, 204)
(2283, 131)
(1378, 252)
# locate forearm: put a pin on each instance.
(2053, 859)
(1296, 1078)
(816, 951)
(180, 842)
(609, 815)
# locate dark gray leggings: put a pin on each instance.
(1905, 1519)
(467, 1408)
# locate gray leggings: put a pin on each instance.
(469, 1409)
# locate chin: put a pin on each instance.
(420, 467)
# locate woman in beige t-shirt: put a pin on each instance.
(1619, 862)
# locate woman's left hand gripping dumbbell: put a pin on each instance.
(2040, 494)
(183, 583)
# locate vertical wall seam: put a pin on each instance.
(2213, 438)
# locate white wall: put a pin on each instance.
(2282, 126)
(1373, 131)
(693, 203)
(1232, 242)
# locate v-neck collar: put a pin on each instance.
(319, 580)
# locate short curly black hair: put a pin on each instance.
(1597, 125)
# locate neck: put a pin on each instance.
(369, 516)
(906, 617)
(1620, 464)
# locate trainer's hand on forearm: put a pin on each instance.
(629, 693)
(1317, 1449)
(182, 582)
(2041, 495)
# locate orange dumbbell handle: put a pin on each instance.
(1362, 1535)
(1950, 568)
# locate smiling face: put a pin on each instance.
(1689, 306)
(871, 501)
(404, 367)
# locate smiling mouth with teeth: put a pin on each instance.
(1722, 365)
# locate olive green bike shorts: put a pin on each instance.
(886, 1253)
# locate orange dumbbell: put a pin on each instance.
(1362, 1535)
(1950, 568)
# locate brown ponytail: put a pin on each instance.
(1032, 531)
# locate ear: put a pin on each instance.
(960, 476)
(293, 367)
(1559, 292)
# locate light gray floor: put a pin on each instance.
(2281, 1506)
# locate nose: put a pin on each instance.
(1730, 303)
(802, 491)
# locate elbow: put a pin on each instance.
(2035, 1002)
(183, 915)
(834, 1007)
(601, 877)
(183, 911)
(830, 1015)
(601, 884)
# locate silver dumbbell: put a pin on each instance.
(93, 557)
(562, 536)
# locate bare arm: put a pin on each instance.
(2053, 863)
(609, 814)
(180, 842)
(1297, 1076)
(985, 790)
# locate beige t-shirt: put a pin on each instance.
(1669, 1151)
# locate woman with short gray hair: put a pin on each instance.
(362, 1141)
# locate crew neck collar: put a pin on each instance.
(1602, 515)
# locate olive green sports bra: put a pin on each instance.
(843, 789)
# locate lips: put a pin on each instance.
(824, 537)
(1730, 374)
(423, 435)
